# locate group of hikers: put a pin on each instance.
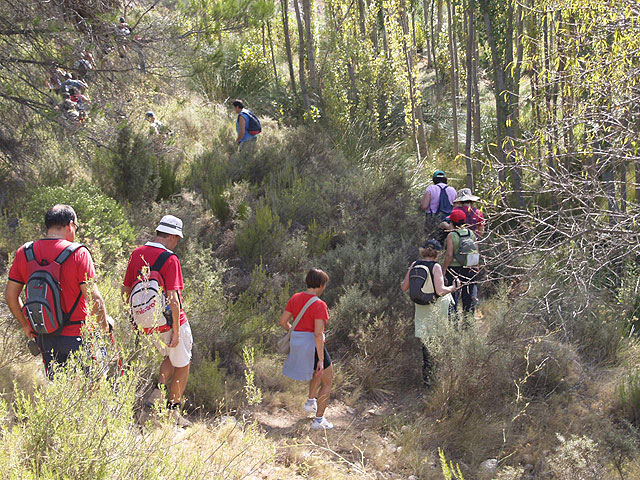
(54, 273)
(72, 84)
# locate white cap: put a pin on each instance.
(171, 225)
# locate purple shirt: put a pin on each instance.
(434, 190)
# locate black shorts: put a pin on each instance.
(327, 358)
(56, 349)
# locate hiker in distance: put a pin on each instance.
(308, 357)
(152, 286)
(247, 125)
(432, 299)
(437, 202)
(461, 262)
(157, 127)
(54, 273)
(474, 219)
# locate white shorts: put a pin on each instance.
(179, 356)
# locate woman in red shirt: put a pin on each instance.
(308, 358)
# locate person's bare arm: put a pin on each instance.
(426, 200)
(405, 283)
(285, 318)
(318, 335)
(242, 121)
(12, 297)
(98, 308)
(438, 282)
(174, 303)
(448, 257)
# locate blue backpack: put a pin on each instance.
(253, 125)
(444, 204)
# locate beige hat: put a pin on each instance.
(171, 225)
(465, 195)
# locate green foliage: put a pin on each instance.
(206, 386)
(628, 393)
(577, 457)
(210, 177)
(253, 393)
(449, 470)
(261, 236)
(129, 170)
(104, 226)
(318, 238)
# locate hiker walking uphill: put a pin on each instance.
(474, 219)
(461, 262)
(152, 286)
(157, 127)
(247, 125)
(308, 357)
(437, 202)
(431, 298)
(54, 272)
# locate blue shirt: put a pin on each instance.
(247, 135)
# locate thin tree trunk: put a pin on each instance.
(469, 53)
(426, 32)
(301, 50)
(454, 83)
(361, 18)
(434, 40)
(477, 133)
(287, 44)
(311, 62)
(273, 55)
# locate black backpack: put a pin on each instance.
(444, 204)
(421, 288)
(43, 307)
(253, 125)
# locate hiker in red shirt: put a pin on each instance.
(172, 335)
(73, 273)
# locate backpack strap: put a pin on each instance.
(67, 316)
(303, 311)
(67, 252)
(161, 260)
(28, 252)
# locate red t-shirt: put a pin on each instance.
(171, 271)
(76, 270)
(317, 311)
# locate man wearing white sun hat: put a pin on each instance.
(171, 333)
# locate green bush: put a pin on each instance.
(205, 387)
(261, 236)
(104, 226)
(628, 397)
(210, 176)
(129, 170)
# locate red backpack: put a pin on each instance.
(43, 307)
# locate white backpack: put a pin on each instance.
(150, 309)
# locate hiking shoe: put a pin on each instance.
(155, 396)
(321, 424)
(310, 406)
(179, 419)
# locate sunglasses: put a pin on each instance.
(75, 224)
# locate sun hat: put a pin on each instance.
(439, 174)
(457, 216)
(465, 195)
(171, 225)
(432, 243)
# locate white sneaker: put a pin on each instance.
(155, 396)
(311, 405)
(179, 419)
(323, 424)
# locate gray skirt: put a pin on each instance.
(299, 364)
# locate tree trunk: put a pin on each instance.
(477, 133)
(425, 6)
(273, 55)
(311, 62)
(434, 40)
(454, 82)
(361, 18)
(504, 122)
(287, 44)
(301, 49)
(469, 53)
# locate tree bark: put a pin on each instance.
(301, 50)
(469, 53)
(454, 82)
(273, 55)
(311, 62)
(287, 44)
